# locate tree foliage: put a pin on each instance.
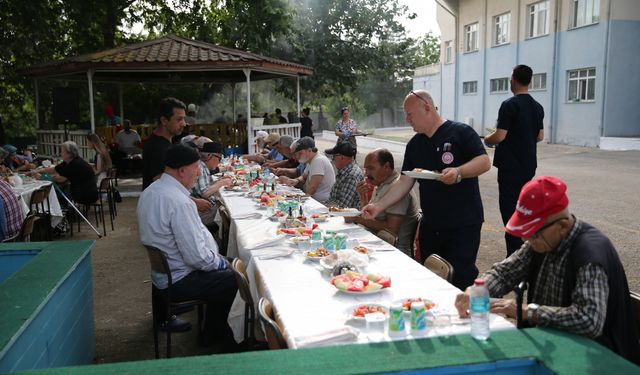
(358, 48)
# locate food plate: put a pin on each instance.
(346, 212)
(357, 312)
(309, 255)
(406, 305)
(423, 174)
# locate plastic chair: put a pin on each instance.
(36, 206)
(272, 329)
(112, 175)
(240, 272)
(387, 237)
(159, 264)
(26, 229)
(438, 265)
(98, 205)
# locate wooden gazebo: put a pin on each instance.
(171, 59)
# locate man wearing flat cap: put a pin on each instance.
(576, 280)
(210, 156)
(343, 193)
(318, 177)
(169, 221)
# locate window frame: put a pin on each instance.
(532, 86)
(583, 84)
(574, 17)
(507, 24)
(502, 84)
(476, 37)
(533, 19)
(448, 51)
(470, 84)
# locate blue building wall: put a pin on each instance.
(621, 108)
(500, 62)
(470, 105)
(447, 104)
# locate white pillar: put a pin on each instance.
(298, 94)
(247, 73)
(91, 110)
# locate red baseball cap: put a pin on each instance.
(539, 198)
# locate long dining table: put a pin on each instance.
(26, 189)
(311, 311)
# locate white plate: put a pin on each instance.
(315, 259)
(351, 213)
(351, 309)
(361, 293)
(423, 175)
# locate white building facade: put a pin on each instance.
(582, 53)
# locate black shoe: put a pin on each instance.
(175, 325)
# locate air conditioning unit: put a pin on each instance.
(468, 120)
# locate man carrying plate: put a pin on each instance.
(451, 204)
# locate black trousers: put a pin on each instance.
(458, 246)
(509, 185)
(219, 289)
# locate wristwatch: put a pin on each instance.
(532, 310)
(459, 177)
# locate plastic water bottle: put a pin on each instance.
(266, 173)
(479, 310)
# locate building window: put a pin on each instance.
(538, 19)
(448, 52)
(582, 85)
(471, 37)
(584, 12)
(538, 82)
(501, 29)
(499, 85)
(470, 87)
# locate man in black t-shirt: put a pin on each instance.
(77, 172)
(170, 123)
(519, 128)
(451, 204)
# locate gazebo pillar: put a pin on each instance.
(247, 73)
(91, 110)
(298, 95)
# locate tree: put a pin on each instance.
(428, 50)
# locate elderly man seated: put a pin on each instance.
(318, 177)
(11, 213)
(210, 156)
(401, 218)
(77, 172)
(168, 220)
(576, 280)
(343, 193)
(270, 153)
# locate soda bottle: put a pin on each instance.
(479, 310)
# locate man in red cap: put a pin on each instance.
(576, 280)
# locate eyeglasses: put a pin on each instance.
(423, 99)
(539, 232)
(217, 156)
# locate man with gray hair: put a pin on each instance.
(77, 172)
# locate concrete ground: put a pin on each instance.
(603, 190)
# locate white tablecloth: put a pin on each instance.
(305, 301)
(24, 193)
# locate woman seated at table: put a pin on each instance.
(77, 172)
(102, 160)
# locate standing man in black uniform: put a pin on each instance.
(451, 204)
(518, 130)
(171, 122)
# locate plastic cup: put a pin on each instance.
(375, 326)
